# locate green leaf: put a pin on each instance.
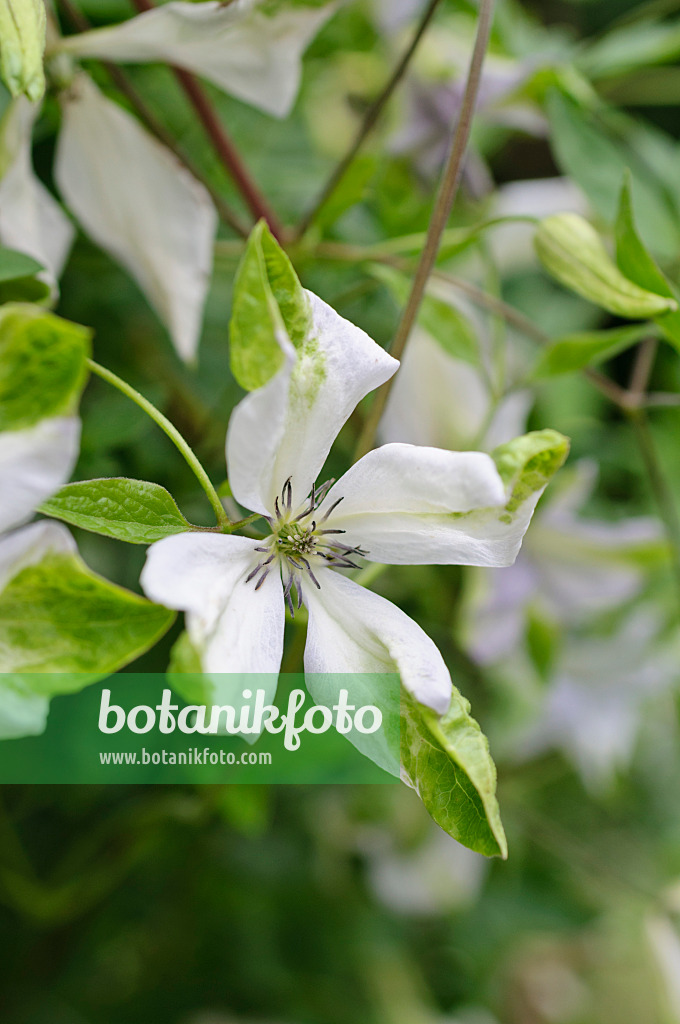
(631, 47)
(448, 763)
(57, 616)
(43, 365)
(572, 251)
(18, 282)
(24, 289)
(349, 193)
(135, 511)
(15, 264)
(543, 642)
(594, 148)
(269, 304)
(442, 320)
(527, 463)
(575, 351)
(637, 263)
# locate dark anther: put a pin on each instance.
(287, 494)
(276, 507)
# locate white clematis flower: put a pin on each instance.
(594, 704)
(245, 51)
(135, 200)
(399, 504)
(34, 463)
(31, 221)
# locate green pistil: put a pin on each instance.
(295, 540)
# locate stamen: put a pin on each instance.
(324, 531)
(262, 578)
(276, 507)
(324, 489)
(334, 505)
(255, 571)
(287, 494)
(311, 574)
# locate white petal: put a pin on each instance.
(242, 50)
(412, 505)
(136, 201)
(31, 220)
(286, 428)
(352, 630)
(34, 463)
(435, 399)
(22, 713)
(236, 628)
(29, 545)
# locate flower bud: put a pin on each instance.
(22, 42)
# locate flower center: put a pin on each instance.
(299, 543)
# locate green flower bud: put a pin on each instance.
(22, 43)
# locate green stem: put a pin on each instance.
(448, 189)
(172, 432)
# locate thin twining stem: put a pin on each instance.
(448, 189)
(368, 123)
(663, 494)
(173, 433)
(221, 142)
(156, 127)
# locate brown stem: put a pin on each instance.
(448, 189)
(156, 127)
(221, 142)
(368, 123)
(642, 368)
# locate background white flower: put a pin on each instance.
(592, 707)
(31, 220)
(134, 199)
(439, 400)
(248, 53)
(570, 568)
